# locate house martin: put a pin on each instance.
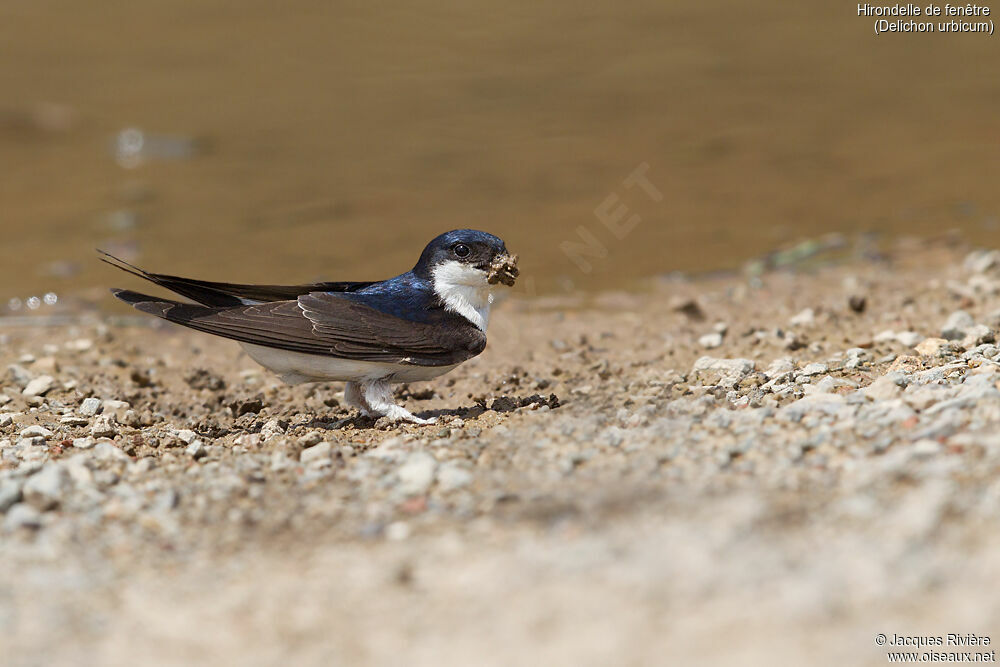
(416, 326)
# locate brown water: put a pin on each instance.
(313, 139)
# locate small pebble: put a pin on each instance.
(186, 436)
(10, 493)
(882, 389)
(316, 453)
(805, 317)
(22, 515)
(397, 531)
(196, 450)
(84, 443)
(909, 338)
(40, 386)
(711, 340)
(926, 447)
(930, 346)
(954, 328)
(416, 474)
(36, 431)
(452, 476)
(45, 489)
(310, 439)
(104, 427)
(90, 406)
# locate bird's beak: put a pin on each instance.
(503, 270)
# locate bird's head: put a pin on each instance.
(464, 265)
(468, 257)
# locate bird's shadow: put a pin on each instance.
(503, 404)
(358, 421)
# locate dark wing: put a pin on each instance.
(328, 325)
(228, 294)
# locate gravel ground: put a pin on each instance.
(772, 469)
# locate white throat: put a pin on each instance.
(464, 290)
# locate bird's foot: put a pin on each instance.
(374, 399)
(397, 414)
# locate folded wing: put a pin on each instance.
(329, 325)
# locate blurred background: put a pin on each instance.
(283, 142)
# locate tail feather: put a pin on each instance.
(120, 263)
(203, 292)
(217, 294)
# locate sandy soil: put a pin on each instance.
(595, 491)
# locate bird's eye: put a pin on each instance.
(461, 250)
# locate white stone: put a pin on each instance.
(452, 476)
(956, 324)
(977, 334)
(271, 429)
(281, 461)
(320, 452)
(22, 515)
(310, 439)
(106, 451)
(397, 531)
(981, 261)
(249, 440)
(882, 388)
(84, 443)
(39, 386)
(116, 408)
(805, 317)
(779, 367)
(416, 474)
(389, 450)
(186, 436)
(45, 489)
(73, 421)
(78, 471)
(104, 427)
(930, 346)
(711, 340)
(90, 406)
(10, 493)
(725, 372)
(926, 447)
(816, 404)
(36, 431)
(79, 345)
(196, 449)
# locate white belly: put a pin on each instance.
(296, 367)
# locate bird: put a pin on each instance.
(416, 326)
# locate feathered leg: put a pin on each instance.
(377, 397)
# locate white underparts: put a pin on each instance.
(369, 383)
(296, 367)
(464, 290)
